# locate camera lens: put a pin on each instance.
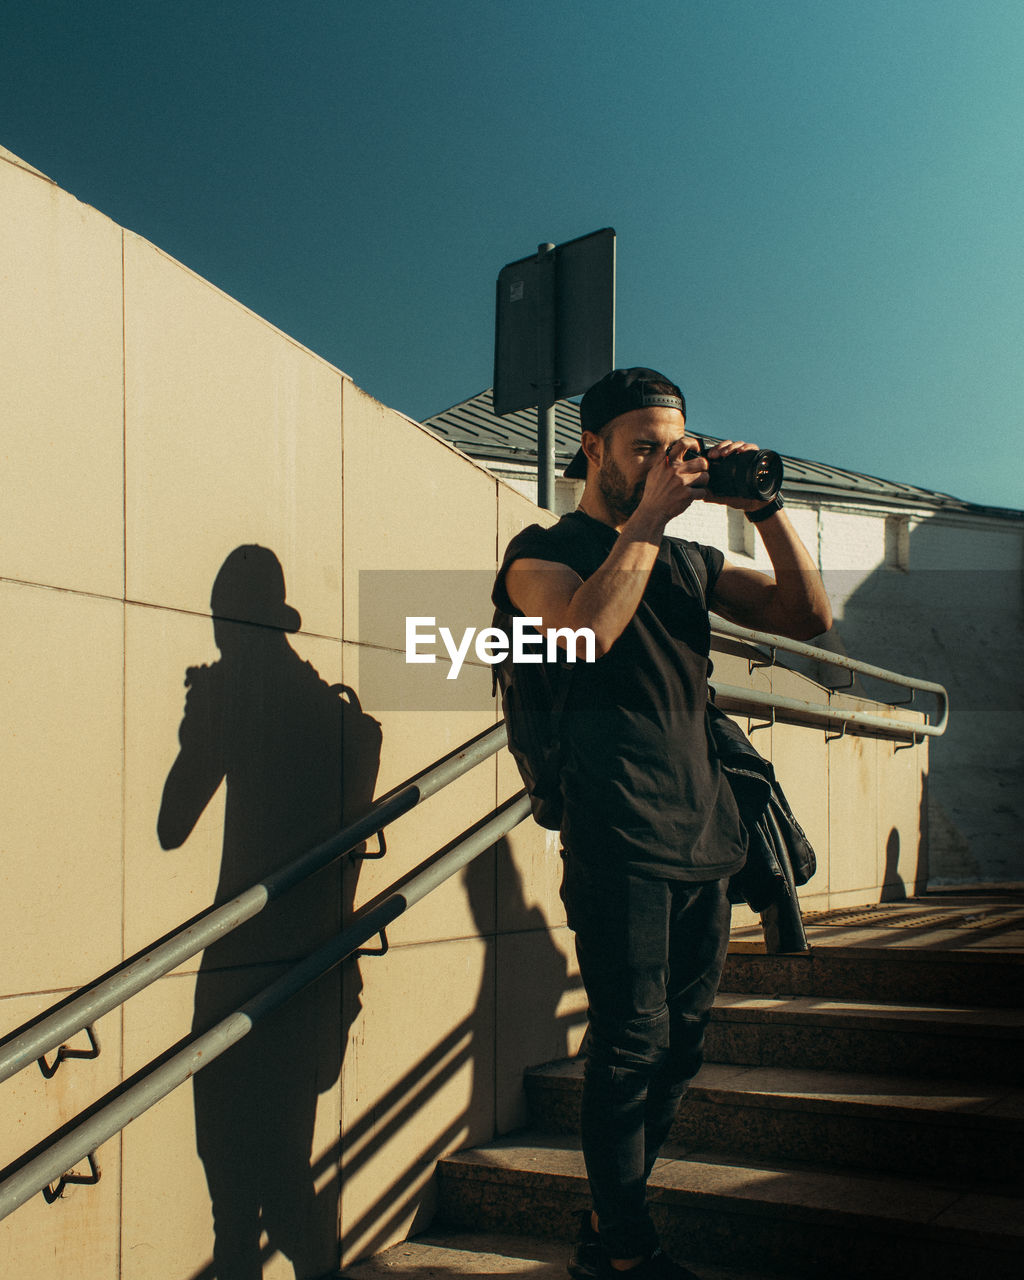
(746, 475)
(767, 477)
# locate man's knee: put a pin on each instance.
(639, 1045)
(685, 1054)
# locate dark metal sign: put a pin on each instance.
(554, 333)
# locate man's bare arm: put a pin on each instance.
(794, 604)
(605, 602)
(608, 599)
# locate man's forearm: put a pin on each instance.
(799, 602)
(607, 600)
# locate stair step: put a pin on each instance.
(858, 1036)
(894, 973)
(809, 1222)
(477, 1253)
(880, 1123)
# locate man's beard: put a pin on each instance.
(620, 499)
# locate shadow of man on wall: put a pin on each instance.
(299, 760)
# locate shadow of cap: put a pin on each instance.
(249, 587)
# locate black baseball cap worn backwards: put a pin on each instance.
(619, 392)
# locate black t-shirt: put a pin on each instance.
(640, 788)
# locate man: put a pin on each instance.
(651, 832)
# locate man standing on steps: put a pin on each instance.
(650, 831)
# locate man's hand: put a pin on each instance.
(722, 450)
(678, 479)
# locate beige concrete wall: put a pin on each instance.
(153, 427)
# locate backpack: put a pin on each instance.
(533, 700)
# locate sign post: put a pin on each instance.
(554, 335)
(547, 381)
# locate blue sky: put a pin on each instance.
(819, 204)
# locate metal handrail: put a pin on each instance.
(50, 1159)
(51, 1030)
(37, 1169)
(826, 711)
(31, 1042)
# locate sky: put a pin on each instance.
(818, 204)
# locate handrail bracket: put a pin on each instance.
(55, 1190)
(365, 855)
(753, 665)
(762, 724)
(63, 1053)
(382, 950)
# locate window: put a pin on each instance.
(897, 542)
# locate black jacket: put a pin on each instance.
(779, 855)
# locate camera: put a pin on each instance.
(744, 475)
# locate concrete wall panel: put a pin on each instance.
(529, 878)
(245, 1157)
(542, 1010)
(174, 1230)
(232, 437)
(853, 814)
(78, 1234)
(396, 467)
(514, 514)
(411, 740)
(60, 812)
(902, 836)
(417, 1083)
(801, 765)
(61, 369)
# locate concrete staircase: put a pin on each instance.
(861, 1114)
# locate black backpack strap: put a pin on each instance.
(567, 670)
(501, 677)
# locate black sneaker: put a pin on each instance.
(659, 1266)
(586, 1251)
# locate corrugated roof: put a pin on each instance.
(475, 428)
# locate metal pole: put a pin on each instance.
(546, 456)
(546, 366)
(720, 626)
(739, 699)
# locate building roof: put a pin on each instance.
(476, 429)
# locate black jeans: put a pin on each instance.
(651, 954)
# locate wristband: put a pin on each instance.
(763, 513)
